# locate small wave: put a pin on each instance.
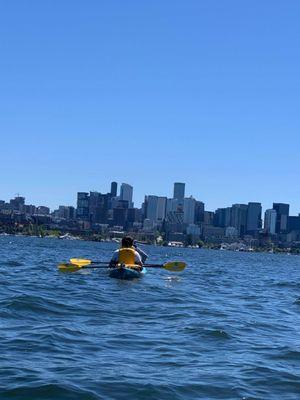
(286, 354)
(208, 333)
(12, 263)
(280, 381)
(49, 392)
(287, 284)
(34, 304)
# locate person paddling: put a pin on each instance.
(142, 254)
(128, 254)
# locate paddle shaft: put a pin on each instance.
(107, 266)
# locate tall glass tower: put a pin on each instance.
(179, 189)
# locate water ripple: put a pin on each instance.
(226, 328)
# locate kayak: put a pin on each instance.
(126, 272)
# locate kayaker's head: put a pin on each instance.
(127, 241)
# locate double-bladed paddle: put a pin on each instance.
(77, 263)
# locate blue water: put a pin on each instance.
(226, 328)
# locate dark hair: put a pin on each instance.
(127, 241)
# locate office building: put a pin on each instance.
(172, 206)
(222, 217)
(189, 205)
(270, 221)
(133, 216)
(126, 193)
(65, 212)
(156, 208)
(193, 230)
(282, 211)
(119, 216)
(239, 218)
(293, 224)
(98, 207)
(82, 211)
(29, 209)
(43, 210)
(254, 218)
(179, 189)
(17, 203)
(208, 217)
(199, 212)
(113, 189)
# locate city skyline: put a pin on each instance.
(180, 218)
(172, 193)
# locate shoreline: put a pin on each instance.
(208, 246)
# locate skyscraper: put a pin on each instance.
(126, 194)
(113, 189)
(270, 221)
(222, 217)
(282, 216)
(83, 206)
(98, 207)
(253, 218)
(199, 212)
(156, 208)
(239, 218)
(179, 189)
(189, 205)
(172, 205)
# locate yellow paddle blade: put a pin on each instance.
(175, 266)
(80, 261)
(67, 267)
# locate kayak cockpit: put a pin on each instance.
(122, 271)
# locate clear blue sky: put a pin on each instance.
(150, 92)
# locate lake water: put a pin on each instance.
(227, 327)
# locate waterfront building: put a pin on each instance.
(193, 230)
(282, 211)
(193, 234)
(126, 193)
(254, 222)
(65, 212)
(212, 233)
(189, 206)
(270, 221)
(231, 232)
